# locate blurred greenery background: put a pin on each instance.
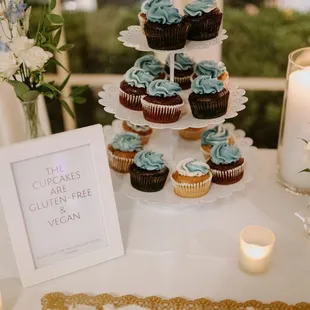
(260, 38)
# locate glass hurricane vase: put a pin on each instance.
(33, 126)
(293, 148)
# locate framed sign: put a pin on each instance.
(59, 204)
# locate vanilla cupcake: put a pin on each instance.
(122, 151)
(144, 132)
(192, 178)
(213, 70)
(214, 136)
(192, 134)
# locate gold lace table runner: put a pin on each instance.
(59, 301)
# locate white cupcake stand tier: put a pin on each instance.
(170, 144)
(184, 149)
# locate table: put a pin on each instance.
(192, 252)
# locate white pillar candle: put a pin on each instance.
(293, 156)
(256, 245)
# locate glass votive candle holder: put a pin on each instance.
(256, 245)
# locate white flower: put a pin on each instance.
(8, 65)
(20, 45)
(35, 58)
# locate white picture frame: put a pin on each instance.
(87, 232)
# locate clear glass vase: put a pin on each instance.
(33, 126)
(293, 148)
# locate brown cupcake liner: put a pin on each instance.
(204, 29)
(146, 183)
(172, 37)
(157, 113)
(192, 190)
(184, 82)
(119, 164)
(228, 177)
(130, 101)
(207, 108)
(190, 135)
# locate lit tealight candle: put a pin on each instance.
(256, 245)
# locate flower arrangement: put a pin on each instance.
(23, 60)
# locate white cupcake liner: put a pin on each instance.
(228, 174)
(192, 190)
(133, 101)
(118, 163)
(162, 113)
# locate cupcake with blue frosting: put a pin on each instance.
(213, 70)
(144, 132)
(162, 104)
(145, 6)
(226, 163)
(209, 98)
(133, 87)
(213, 136)
(205, 19)
(165, 28)
(148, 173)
(152, 65)
(192, 178)
(183, 69)
(122, 151)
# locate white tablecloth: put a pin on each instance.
(191, 252)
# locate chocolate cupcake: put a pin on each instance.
(122, 151)
(162, 104)
(183, 69)
(133, 88)
(226, 163)
(152, 65)
(214, 136)
(145, 6)
(144, 132)
(209, 98)
(212, 69)
(192, 179)
(165, 29)
(148, 173)
(205, 19)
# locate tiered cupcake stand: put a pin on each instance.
(166, 139)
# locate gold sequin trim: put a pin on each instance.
(59, 301)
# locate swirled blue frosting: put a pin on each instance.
(150, 161)
(127, 142)
(138, 77)
(145, 6)
(214, 136)
(209, 68)
(204, 85)
(163, 14)
(222, 67)
(150, 64)
(198, 7)
(182, 62)
(163, 88)
(224, 154)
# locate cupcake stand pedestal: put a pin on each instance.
(169, 143)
